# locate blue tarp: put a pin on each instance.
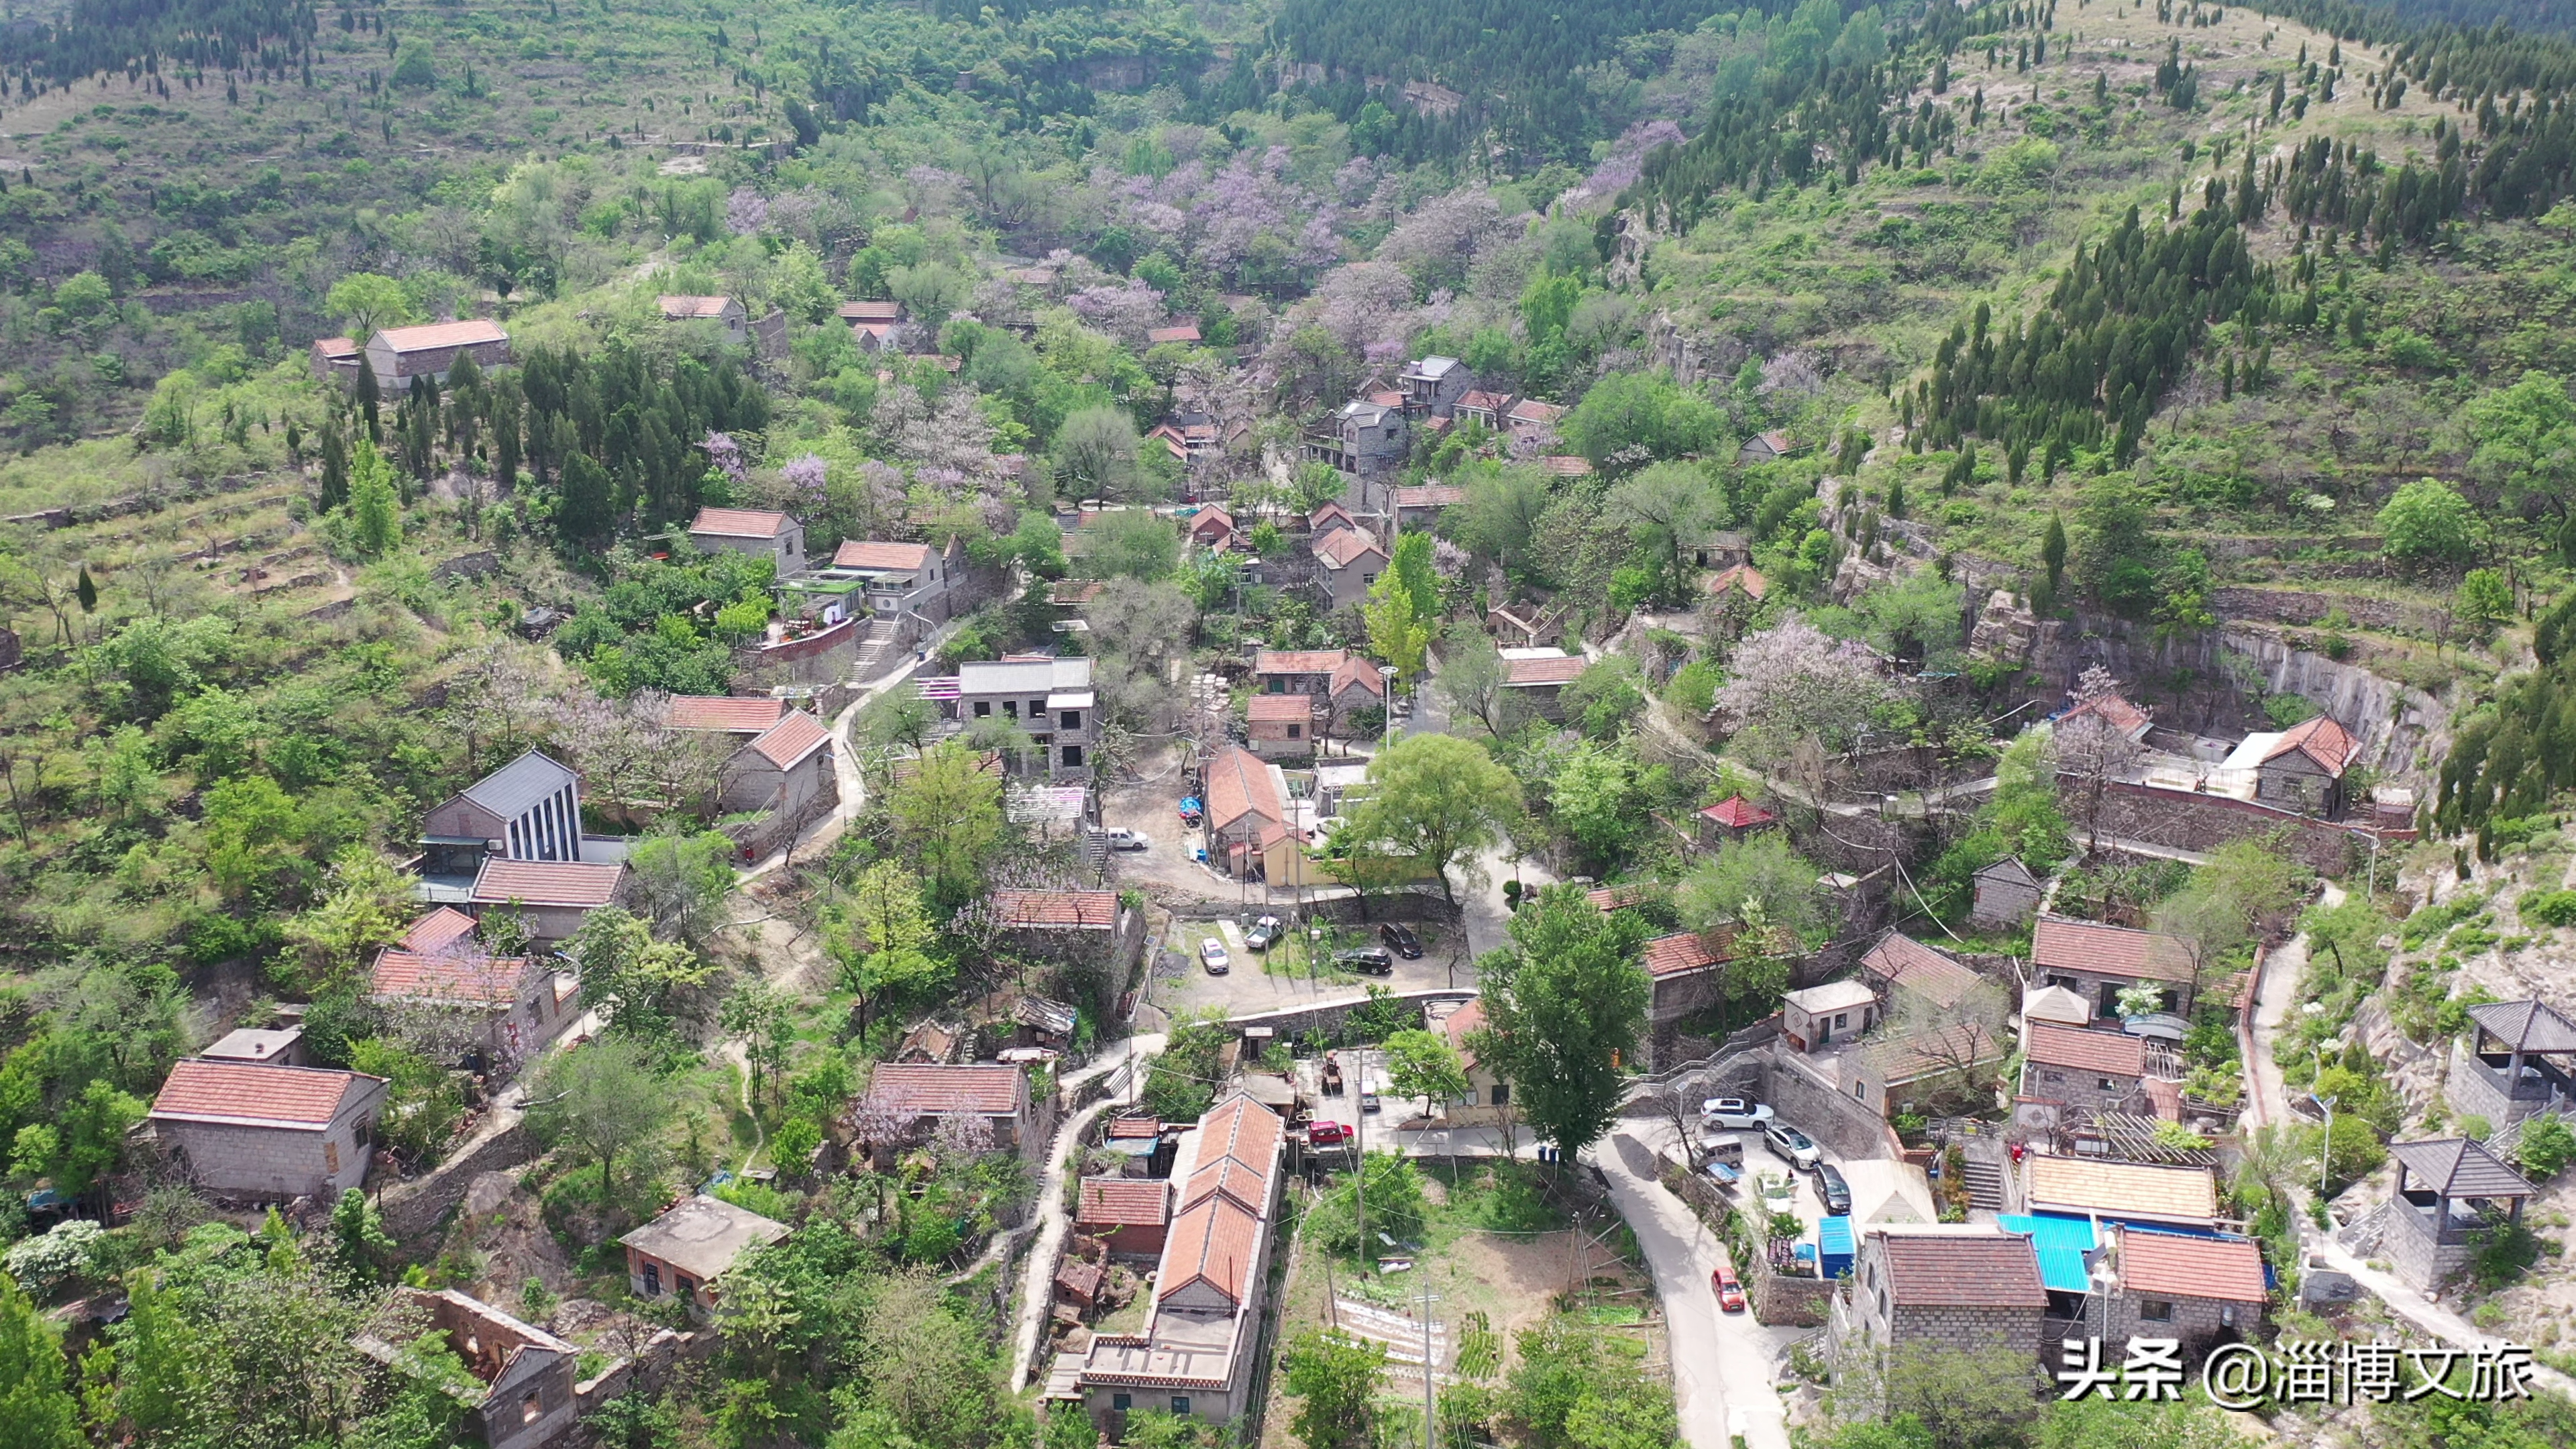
(1834, 1242)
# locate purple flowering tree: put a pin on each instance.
(746, 211)
(725, 456)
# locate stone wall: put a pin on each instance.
(415, 1209)
(2184, 820)
(1328, 1017)
(1967, 1330)
(2198, 1322)
(1808, 1104)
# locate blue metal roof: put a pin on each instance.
(2061, 1242)
(1834, 1235)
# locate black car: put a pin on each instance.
(1368, 961)
(1401, 940)
(1835, 1191)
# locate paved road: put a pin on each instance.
(854, 791)
(2281, 972)
(1721, 1361)
(1037, 1282)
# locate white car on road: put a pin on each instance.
(1734, 1113)
(1212, 955)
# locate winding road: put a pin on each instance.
(1037, 1282)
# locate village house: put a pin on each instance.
(1532, 424)
(2007, 895)
(399, 354)
(725, 312)
(1296, 671)
(688, 1249)
(1180, 331)
(1819, 1016)
(1684, 972)
(1280, 726)
(2300, 768)
(1245, 808)
(1432, 386)
(1566, 465)
(2100, 1070)
(906, 1100)
(2098, 962)
(520, 1004)
(1484, 409)
(2200, 1289)
(1767, 448)
(1211, 528)
(785, 771)
(269, 1132)
(524, 1377)
(1052, 699)
(258, 1047)
(2452, 1194)
(2117, 715)
(1069, 926)
(876, 311)
(1352, 560)
(553, 898)
(904, 589)
(1328, 519)
(1196, 1355)
(2147, 1194)
(1420, 506)
(440, 929)
(1488, 1098)
(336, 359)
(1732, 818)
(1538, 677)
(1363, 438)
(746, 717)
(1900, 966)
(1957, 1288)
(1129, 1215)
(1931, 1068)
(1740, 580)
(529, 809)
(760, 532)
(1525, 626)
(2515, 1062)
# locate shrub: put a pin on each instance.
(2546, 1147)
(44, 1264)
(2550, 908)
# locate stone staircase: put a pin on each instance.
(2361, 1236)
(1985, 1184)
(2505, 1140)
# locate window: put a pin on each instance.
(1180, 1403)
(652, 1279)
(1296, 732)
(2052, 1076)
(531, 1409)
(1073, 757)
(2155, 1310)
(983, 709)
(1841, 1019)
(1037, 709)
(2102, 1084)
(684, 1285)
(1010, 709)
(1860, 1091)
(1071, 720)
(1121, 1403)
(1502, 1094)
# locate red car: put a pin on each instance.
(1730, 1294)
(1324, 1133)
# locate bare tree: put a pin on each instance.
(2091, 750)
(500, 698)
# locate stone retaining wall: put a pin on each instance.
(415, 1209)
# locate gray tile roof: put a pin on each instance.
(2459, 1167)
(511, 789)
(2531, 1026)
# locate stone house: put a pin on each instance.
(269, 1132)
(906, 1099)
(1925, 1070)
(1489, 1098)
(523, 1376)
(1538, 677)
(1280, 726)
(760, 532)
(2451, 1193)
(1362, 437)
(1483, 408)
(1245, 805)
(688, 1249)
(1211, 528)
(873, 310)
(1532, 424)
(1434, 386)
(522, 1004)
(254, 1047)
(2007, 895)
(1959, 1289)
(1420, 506)
(1525, 626)
(553, 898)
(1819, 1016)
(1685, 972)
(336, 360)
(725, 312)
(1768, 448)
(2148, 1194)
(2187, 1286)
(2300, 768)
(2515, 1062)
(1070, 926)
(2101, 1070)
(1351, 561)
(1129, 1214)
(1050, 698)
(902, 590)
(2098, 962)
(1327, 519)
(1899, 964)
(530, 808)
(786, 770)
(1297, 671)
(2116, 714)
(399, 354)
(745, 717)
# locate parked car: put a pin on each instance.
(1264, 933)
(1835, 1191)
(1119, 837)
(1367, 961)
(1730, 1293)
(1368, 1101)
(1212, 955)
(1401, 940)
(1734, 1112)
(1324, 1132)
(1797, 1146)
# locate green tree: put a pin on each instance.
(948, 823)
(1565, 1001)
(1422, 1064)
(2115, 549)
(1471, 678)
(1132, 543)
(682, 884)
(2545, 1148)
(762, 1016)
(2525, 436)
(1592, 797)
(375, 508)
(2052, 551)
(359, 1238)
(1640, 415)
(2484, 600)
(370, 301)
(2426, 522)
(1759, 881)
(641, 986)
(599, 1102)
(37, 1410)
(1095, 454)
(1439, 799)
(1336, 1381)
(1398, 630)
(1500, 516)
(882, 938)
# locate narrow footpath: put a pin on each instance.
(1037, 1282)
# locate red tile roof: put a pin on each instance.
(1330, 513)
(2329, 744)
(1620, 897)
(1544, 671)
(872, 311)
(741, 522)
(436, 335)
(336, 347)
(1346, 546)
(725, 714)
(866, 554)
(792, 739)
(907, 1090)
(439, 928)
(1135, 1127)
(1901, 960)
(1674, 954)
(1186, 332)
(1530, 412)
(1356, 671)
(1238, 785)
(2159, 1264)
(1479, 400)
(1123, 1202)
(202, 1091)
(1280, 708)
(545, 883)
(2108, 950)
(1211, 514)
(1243, 1133)
(1962, 1270)
(1299, 661)
(2123, 717)
(2111, 1053)
(1461, 1024)
(1745, 575)
(678, 308)
(463, 976)
(1566, 466)
(1057, 910)
(1430, 495)
(1211, 1243)
(1737, 813)
(1074, 593)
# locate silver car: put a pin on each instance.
(1797, 1146)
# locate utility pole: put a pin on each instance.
(1355, 1087)
(1428, 1363)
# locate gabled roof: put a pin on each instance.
(682, 308)
(511, 789)
(871, 311)
(1743, 576)
(1461, 1024)
(336, 348)
(1530, 412)
(2010, 869)
(1737, 813)
(1355, 670)
(1674, 954)
(1902, 961)
(2181, 1265)
(1299, 661)
(2531, 1026)
(436, 335)
(1332, 514)
(1123, 1202)
(1211, 1243)
(2322, 740)
(868, 554)
(443, 926)
(1932, 1051)
(1280, 708)
(1238, 785)
(1056, 910)
(1344, 547)
(741, 522)
(704, 1235)
(2112, 1053)
(791, 740)
(455, 976)
(2459, 1167)
(1961, 1270)
(545, 883)
(1620, 897)
(726, 714)
(1566, 465)
(1431, 495)
(2090, 946)
(907, 1090)
(242, 1093)
(2123, 1190)
(1200, 520)
(2122, 717)
(1183, 332)
(1479, 400)
(1529, 672)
